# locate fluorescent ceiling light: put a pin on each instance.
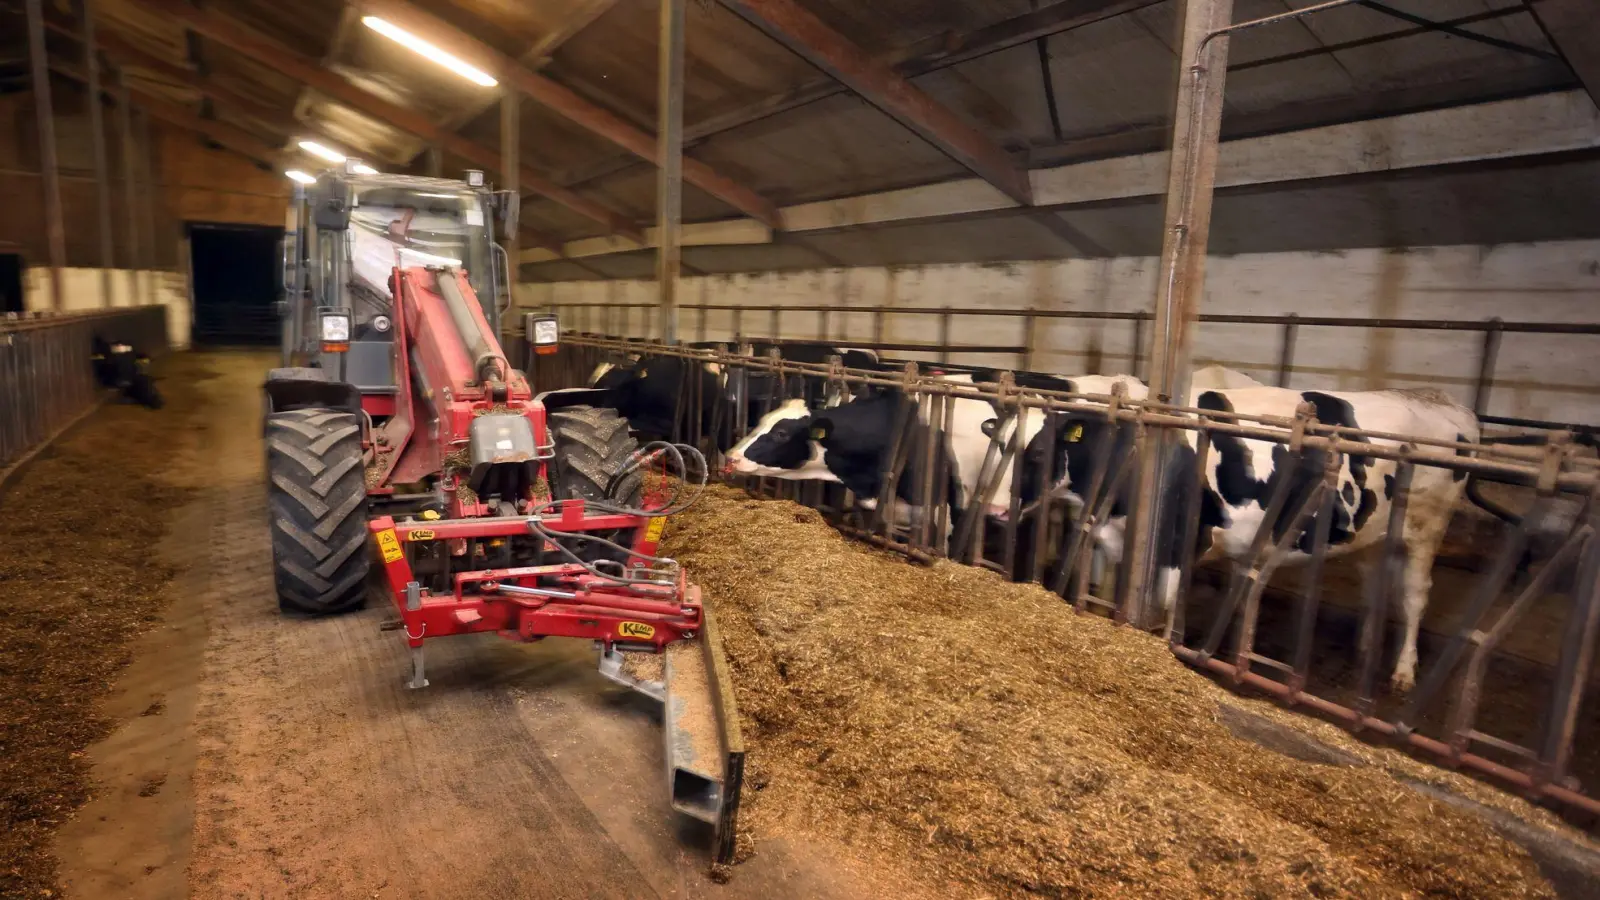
(363, 169)
(327, 153)
(300, 176)
(410, 41)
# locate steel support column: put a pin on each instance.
(1191, 180)
(97, 136)
(435, 161)
(130, 192)
(50, 180)
(669, 178)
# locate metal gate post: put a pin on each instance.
(1191, 180)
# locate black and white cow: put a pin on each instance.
(850, 443)
(648, 391)
(1242, 473)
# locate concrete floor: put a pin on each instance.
(258, 756)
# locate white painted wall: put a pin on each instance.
(1553, 377)
(82, 289)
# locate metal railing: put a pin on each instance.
(46, 379)
(1050, 541)
(772, 322)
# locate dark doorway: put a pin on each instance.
(10, 282)
(235, 283)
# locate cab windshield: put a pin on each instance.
(405, 226)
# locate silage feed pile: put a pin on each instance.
(987, 735)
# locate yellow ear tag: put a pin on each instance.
(1075, 434)
(818, 434)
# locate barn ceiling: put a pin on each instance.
(1043, 82)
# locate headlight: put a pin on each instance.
(542, 331)
(336, 328)
(381, 323)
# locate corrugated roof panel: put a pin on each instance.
(634, 193)
(831, 148)
(883, 25)
(1001, 93)
(1421, 58)
(730, 64)
(1112, 75)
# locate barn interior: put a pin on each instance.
(1350, 196)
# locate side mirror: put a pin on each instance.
(507, 209)
(330, 205)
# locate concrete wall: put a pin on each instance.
(83, 289)
(1552, 377)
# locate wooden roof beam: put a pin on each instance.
(877, 83)
(308, 71)
(1573, 26)
(568, 104)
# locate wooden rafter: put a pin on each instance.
(308, 71)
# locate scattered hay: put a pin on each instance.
(77, 582)
(982, 731)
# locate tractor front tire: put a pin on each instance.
(317, 503)
(592, 445)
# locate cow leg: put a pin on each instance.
(1427, 517)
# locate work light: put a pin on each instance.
(543, 331)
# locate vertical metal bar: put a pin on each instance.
(1291, 330)
(1028, 322)
(130, 194)
(1381, 585)
(669, 158)
(436, 160)
(738, 325)
(1014, 506)
(1488, 355)
(50, 176)
(511, 173)
(933, 444)
(1138, 345)
(97, 135)
(775, 331)
(878, 315)
(1572, 672)
(944, 336)
(1306, 617)
(1186, 550)
(1191, 182)
(941, 489)
(822, 324)
(702, 330)
(1041, 513)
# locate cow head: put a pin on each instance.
(780, 445)
(1062, 457)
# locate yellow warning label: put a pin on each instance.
(420, 534)
(389, 546)
(636, 630)
(652, 532)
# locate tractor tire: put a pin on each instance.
(591, 446)
(317, 505)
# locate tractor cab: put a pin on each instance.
(346, 235)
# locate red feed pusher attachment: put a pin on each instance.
(639, 609)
